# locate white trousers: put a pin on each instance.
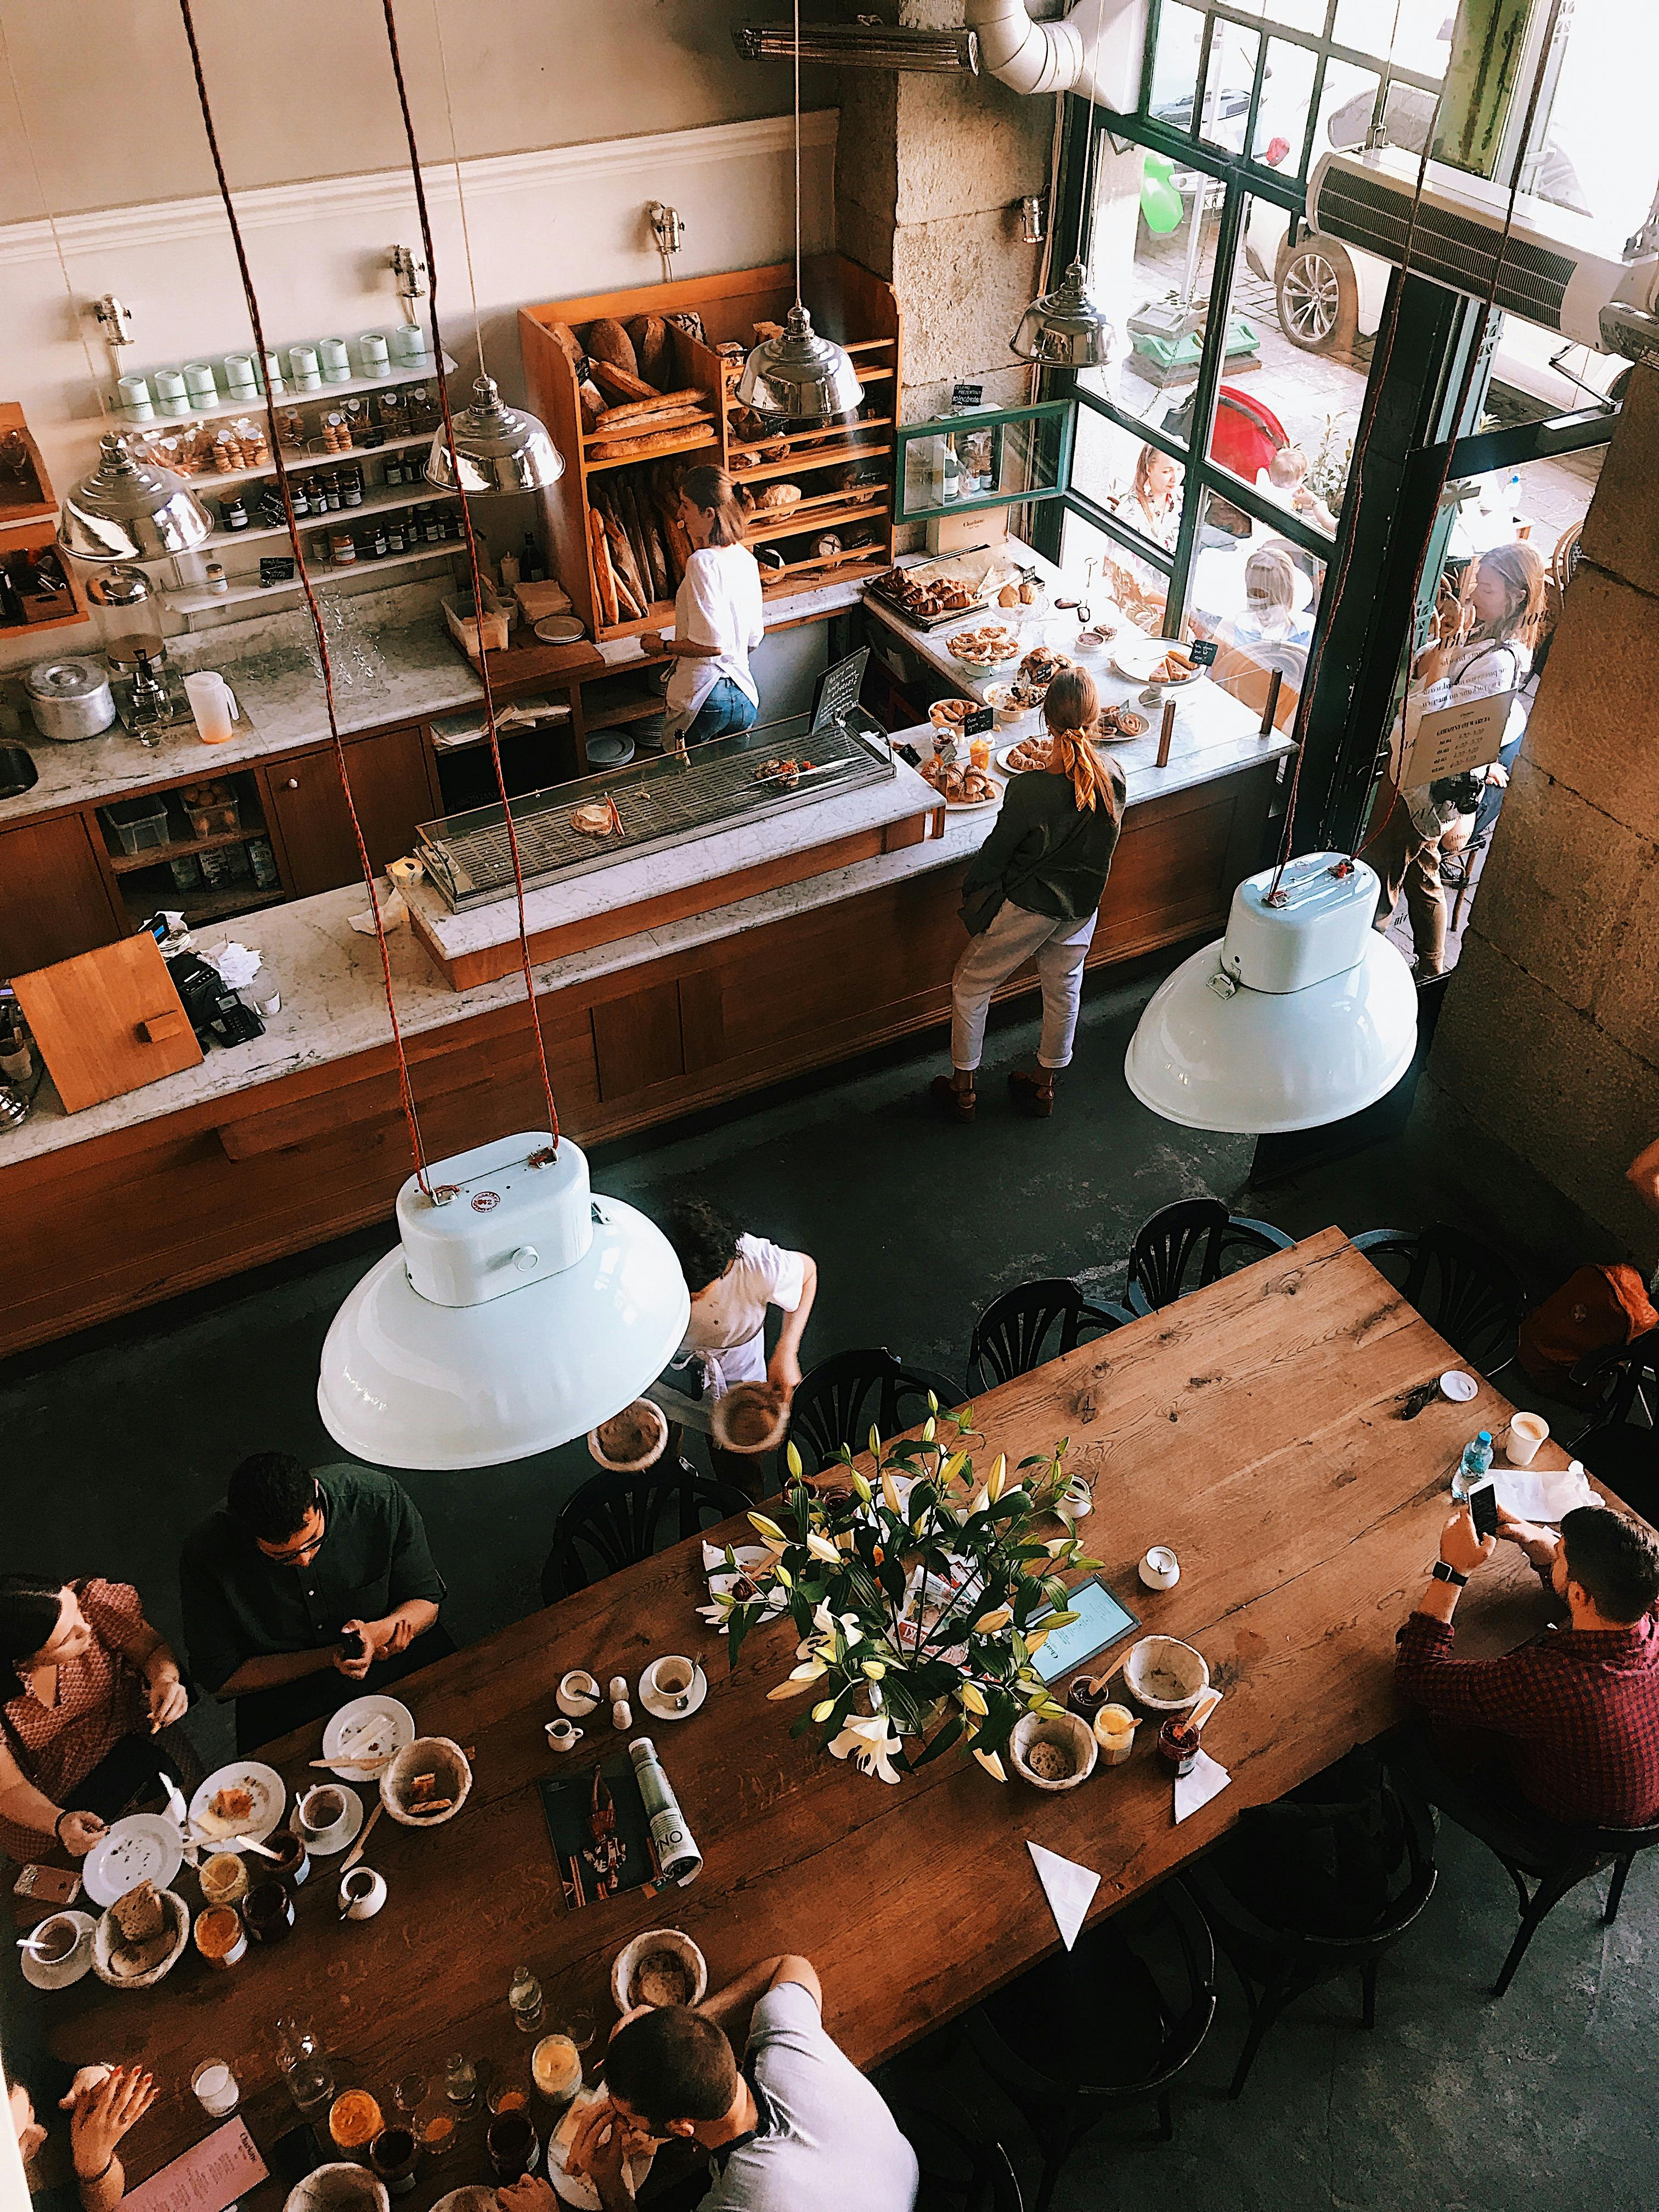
(1012, 939)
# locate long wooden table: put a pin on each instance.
(1254, 1426)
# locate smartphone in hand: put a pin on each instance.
(1483, 1508)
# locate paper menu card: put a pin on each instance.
(210, 2175)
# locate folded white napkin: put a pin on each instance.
(1069, 1888)
(1208, 1779)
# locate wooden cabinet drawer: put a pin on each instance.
(304, 805)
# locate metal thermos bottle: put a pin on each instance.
(676, 1851)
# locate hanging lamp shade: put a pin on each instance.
(520, 1311)
(1301, 1014)
(800, 376)
(1065, 329)
(497, 448)
(130, 510)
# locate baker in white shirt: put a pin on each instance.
(717, 617)
(732, 1277)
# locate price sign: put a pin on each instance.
(1446, 740)
(976, 724)
(965, 397)
(1201, 651)
(838, 688)
(276, 569)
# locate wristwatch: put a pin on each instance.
(1442, 1573)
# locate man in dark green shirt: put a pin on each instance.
(304, 1585)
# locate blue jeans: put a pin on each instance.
(727, 709)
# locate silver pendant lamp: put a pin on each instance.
(1065, 328)
(799, 376)
(130, 510)
(497, 448)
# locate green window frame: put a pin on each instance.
(1059, 412)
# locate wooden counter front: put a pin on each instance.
(124, 1219)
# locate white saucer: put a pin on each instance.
(144, 1847)
(40, 1976)
(658, 1705)
(344, 1837)
(372, 1727)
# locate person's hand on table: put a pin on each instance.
(1540, 1545)
(87, 2079)
(102, 2118)
(530, 2193)
(78, 1832)
(1461, 1548)
(169, 1700)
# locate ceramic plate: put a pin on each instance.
(270, 1794)
(144, 1847)
(656, 1704)
(1000, 760)
(350, 1828)
(374, 1727)
(40, 1976)
(559, 629)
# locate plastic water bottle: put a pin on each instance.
(1474, 1465)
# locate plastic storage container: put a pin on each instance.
(139, 824)
(213, 809)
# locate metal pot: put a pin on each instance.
(69, 697)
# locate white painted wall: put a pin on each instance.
(544, 225)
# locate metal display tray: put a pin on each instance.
(664, 801)
(985, 569)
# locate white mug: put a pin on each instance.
(312, 1827)
(563, 1735)
(213, 705)
(675, 1699)
(1527, 1432)
(579, 1693)
(362, 1892)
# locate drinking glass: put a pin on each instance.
(508, 2093)
(306, 2065)
(580, 2027)
(409, 2094)
(461, 2082)
(513, 2146)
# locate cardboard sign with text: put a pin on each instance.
(1446, 740)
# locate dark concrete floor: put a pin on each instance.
(116, 1443)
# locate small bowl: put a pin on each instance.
(342, 2185)
(427, 1754)
(658, 1938)
(103, 1937)
(1072, 1737)
(1164, 1675)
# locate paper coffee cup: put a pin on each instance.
(1527, 1432)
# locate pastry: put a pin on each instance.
(234, 1804)
(1008, 596)
(592, 818)
(949, 713)
(653, 350)
(138, 1915)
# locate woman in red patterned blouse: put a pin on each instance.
(95, 1684)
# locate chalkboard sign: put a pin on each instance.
(276, 569)
(965, 397)
(1201, 651)
(838, 688)
(976, 724)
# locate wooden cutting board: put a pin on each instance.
(108, 1021)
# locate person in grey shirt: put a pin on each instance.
(796, 2129)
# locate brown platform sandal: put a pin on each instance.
(1033, 1093)
(956, 1105)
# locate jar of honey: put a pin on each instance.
(353, 2121)
(979, 752)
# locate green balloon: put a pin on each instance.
(1161, 204)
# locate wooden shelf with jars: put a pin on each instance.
(25, 492)
(662, 363)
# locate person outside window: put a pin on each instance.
(719, 618)
(303, 1577)
(1033, 892)
(93, 1686)
(1154, 505)
(1567, 1726)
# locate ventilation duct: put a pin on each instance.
(1064, 56)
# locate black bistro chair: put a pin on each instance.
(614, 1521)
(1621, 1446)
(1011, 1337)
(1545, 1859)
(962, 2166)
(1462, 1288)
(1263, 1912)
(1192, 1243)
(1110, 2023)
(840, 1399)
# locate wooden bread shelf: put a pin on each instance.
(813, 514)
(847, 303)
(634, 706)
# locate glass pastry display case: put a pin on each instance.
(669, 799)
(989, 456)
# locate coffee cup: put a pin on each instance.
(579, 1693)
(563, 1735)
(362, 1892)
(672, 1679)
(1160, 1570)
(56, 1940)
(1527, 1432)
(321, 1812)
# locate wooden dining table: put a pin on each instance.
(1257, 1427)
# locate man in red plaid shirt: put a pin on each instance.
(1571, 1721)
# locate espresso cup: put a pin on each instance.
(322, 1810)
(563, 1735)
(672, 1679)
(362, 1892)
(56, 1940)
(579, 1693)
(1160, 1570)
(1527, 1432)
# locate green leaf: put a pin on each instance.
(739, 1621)
(939, 1743)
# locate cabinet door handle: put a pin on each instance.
(294, 783)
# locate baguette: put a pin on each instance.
(640, 449)
(570, 346)
(629, 410)
(592, 403)
(618, 378)
(624, 566)
(654, 425)
(609, 346)
(636, 565)
(605, 584)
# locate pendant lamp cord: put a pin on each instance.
(1085, 200)
(1368, 422)
(404, 1086)
(797, 153)
(470, 535)
(460, 192)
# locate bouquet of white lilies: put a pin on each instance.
(920, 1597)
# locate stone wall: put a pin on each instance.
(1543, 1079)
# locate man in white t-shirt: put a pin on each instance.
(796, 2129)
(732, 1277)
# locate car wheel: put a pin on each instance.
(1316, 294)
